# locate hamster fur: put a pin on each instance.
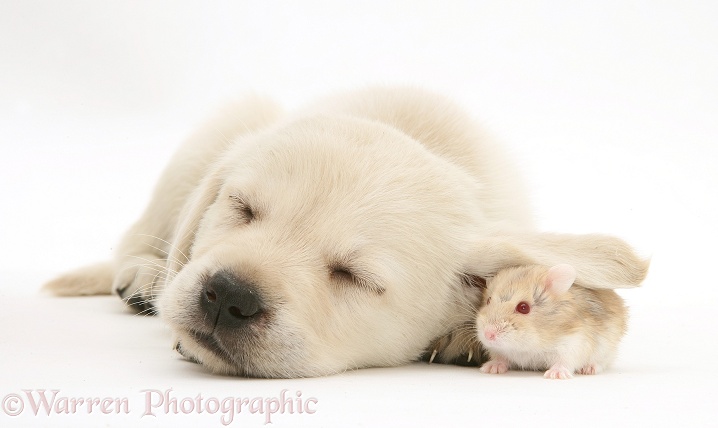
(534, 318)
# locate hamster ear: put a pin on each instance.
(560, 278)
(600, 261)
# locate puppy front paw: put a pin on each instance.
(139, 280)
(459, 347)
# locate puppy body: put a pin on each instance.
(351, 227)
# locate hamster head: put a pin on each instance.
(522, 307)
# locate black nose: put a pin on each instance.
(229, 301)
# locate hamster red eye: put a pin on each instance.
(523, 308)
(488, 301)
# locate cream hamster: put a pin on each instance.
(534, 318)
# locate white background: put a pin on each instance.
(610, 108)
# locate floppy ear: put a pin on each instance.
(560, 278)
(600, 261)
(192, 212)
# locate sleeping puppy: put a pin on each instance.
(355, 233)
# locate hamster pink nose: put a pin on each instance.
(490, 333)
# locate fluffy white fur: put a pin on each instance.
(396, 187)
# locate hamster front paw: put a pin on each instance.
(590, 369)
(558, 371)
(495, 367)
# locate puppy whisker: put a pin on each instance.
(170, 245)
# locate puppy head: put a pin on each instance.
(325, 245)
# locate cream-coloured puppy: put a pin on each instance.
(354, 233)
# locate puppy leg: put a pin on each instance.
(144, 262)
(139, 280)
(459, 347)
(141, 266)
(142, 259)
(85, 281)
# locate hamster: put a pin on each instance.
(535, 318)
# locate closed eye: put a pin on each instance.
(240, 206)
(344, 276)
(341, 274)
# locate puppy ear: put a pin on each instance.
(203, 196)
(474, 281)
(560, 278)
(600, 261)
